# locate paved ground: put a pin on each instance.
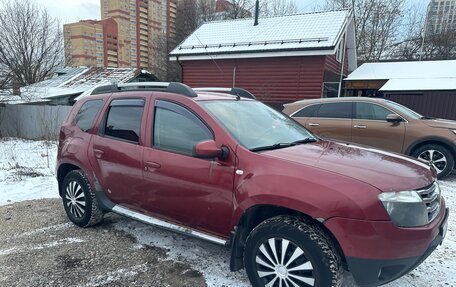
(39, 247)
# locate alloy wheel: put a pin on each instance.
(435, 158)
(281, 263)
(76, 202)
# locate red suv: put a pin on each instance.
(219, 165)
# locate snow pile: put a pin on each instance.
(27, 170)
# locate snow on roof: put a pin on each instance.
(101, 76)
(404, 70)
(70, 81)
(318, 30)
(409, 76)
(419, 84)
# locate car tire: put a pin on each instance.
(437, 155)
(79, 200)
(288, 249)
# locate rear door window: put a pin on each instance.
(123, 120)
(368, 111)
(87, 113)
(306, 112)
(335, 111)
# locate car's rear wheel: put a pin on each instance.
(438, 156)
(286, 251)
(79, 201)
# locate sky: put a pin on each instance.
(69, 11)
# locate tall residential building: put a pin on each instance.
(138, 24)
(91, 43)
(441, 16)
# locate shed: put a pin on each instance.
(428, 87)
(280, 60)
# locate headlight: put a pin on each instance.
(405, 208)
(454, 131)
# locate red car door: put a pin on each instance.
(116, 151)
(191, 191)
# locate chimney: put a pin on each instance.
(257, 12)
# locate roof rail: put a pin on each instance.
(232, 91)
(172, 87)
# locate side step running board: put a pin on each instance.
(166, 225)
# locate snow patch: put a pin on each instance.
(70, 240)
(116, 275)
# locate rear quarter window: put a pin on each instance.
(306, 112)
(87, 114)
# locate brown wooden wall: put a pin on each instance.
(333, 66)
(272, 80)
(439, 104)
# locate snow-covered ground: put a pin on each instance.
(27, 172)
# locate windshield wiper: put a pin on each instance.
(283, 145)
(304, 141)
(427, 118)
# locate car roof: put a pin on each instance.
(306, 102)
(212, 96)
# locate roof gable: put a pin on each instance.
(309, 31)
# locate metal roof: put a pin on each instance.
(309, 31)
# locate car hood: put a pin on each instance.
(441, 123)
(383, 170)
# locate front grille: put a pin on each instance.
(431, 198)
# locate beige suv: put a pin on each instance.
(382, 124)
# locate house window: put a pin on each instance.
(340, 50)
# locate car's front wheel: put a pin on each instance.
(438, 156)
(79, 201)
(287, 251)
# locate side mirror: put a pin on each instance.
(393, 118)
(208, 149)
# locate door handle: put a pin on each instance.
(151, 165)
(360, 126)
(98, 153)
(313, 124)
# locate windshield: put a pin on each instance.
(257, 126)
(404, 111)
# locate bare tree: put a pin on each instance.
(235, 9)
(424, 41)
(377, 24)
(205, 10)
(32, 44)
(278, 8)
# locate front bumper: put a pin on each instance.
(374, 272)
(378, 252)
